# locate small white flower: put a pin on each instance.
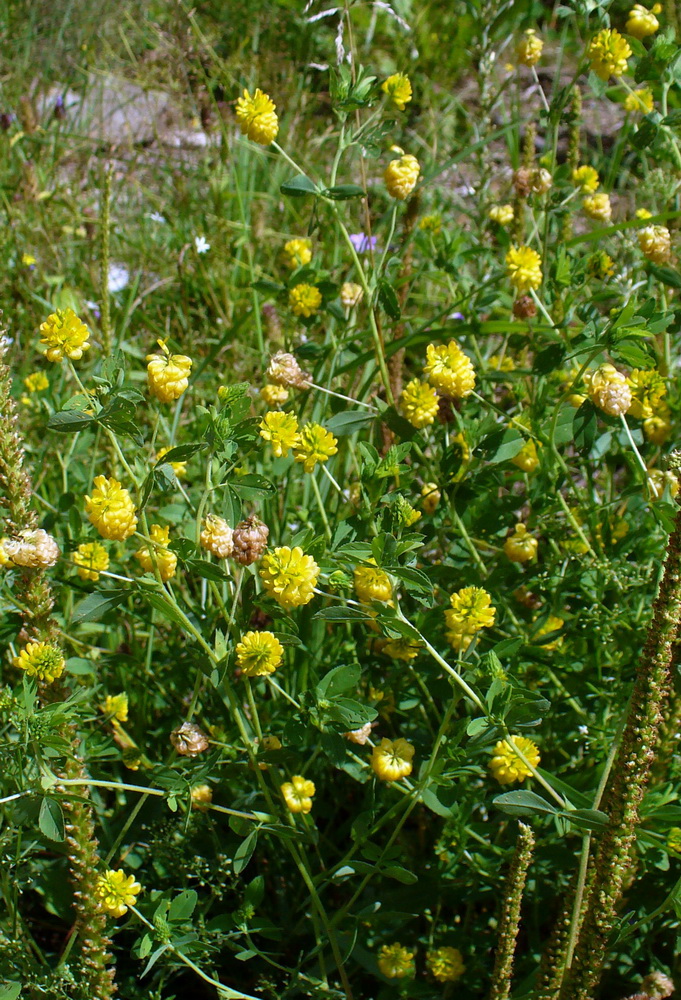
(5, 344)
(201, 244)
(157, 217)
(119, 276)
(584, 730)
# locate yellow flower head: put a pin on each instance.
(289, 576)
(27, 259)
(351, 294)
(168, 374)
(523, 268)
(217, 537)
(657, 483)
(419, 403)
(431, 224)
(372, 584)
(608, 53)
(471, 610)
(655, 243)
(658, 428)
(445, 964)
(449, 370)
(598, 207)
(315, 444)
(398, 89)
(41, 660)
(64, 336)
(609, 390)
(640, 101)
(586, 178)
(37, 382)
(33, 547)
(503, 214)
(298, 252)
(527, 458)
(643, 213)
(304, 299)
(647, 390)
(401, 176)
(552, 624)
(529, 48)
(5, 559)
(641, 22)
(600, 265)
(111, 510)
(396, 962)
(91, 558)
(273, 395)
(391, 759)
(201, 797)
(298, 793)
(402, 649)
(116, 706)
(431, 497)
(257, 117)
(281, 430)
(179, 468)
(507, 767)
(116, 891)
(259, 654)
(159, 553)
(521, 546)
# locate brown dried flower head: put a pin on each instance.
(189, 740)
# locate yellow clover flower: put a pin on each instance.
(314, 444)
(642, 22)
(116, 891)
(527, 458)
(396, 962)
(598, 207)
(64, 336)
(37, 382)
(431, 497)
(445, 964)
(111, 510)
(168, 374)
(41, 660)
(402, 649)
(586, 178)
(304, 299)
(552, 624)
(419, 403)
(372, 584)
(529, 48)
(281, 430)
(217, 537)
(507, 767)
(640, 101)
(201, 797)
(502, 214)
(298, 793)
(398, 89)
(257, 117)
(91, 558)
(391, 759)
(647, 390)
(471, 610)
(351, 294)
(448, 369)
(401, 176)
(116, 706)
(608, 53)
(609, 390)
(259, 654)
(655, 243)
(658, 428)
(289, 576)
(273, 395)
(521, 546)
(523, 268)
(659, 480)
(157, 553)
(298, 252)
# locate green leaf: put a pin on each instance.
(339, 679)
(523, 803)
(51, 819)
(587, 819)
(206, 570)
(341, 615)
(400, 874)
(93, 607)
(183, 905)
(298, 186)
(162, 604)
(342, 192)
(667, 275)
(182, 452)
(348, 421)
(10, 991)
(252, 486)
(584, 426)
(66, 421)
(502, 445)
(244, 852)
(387, 298)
